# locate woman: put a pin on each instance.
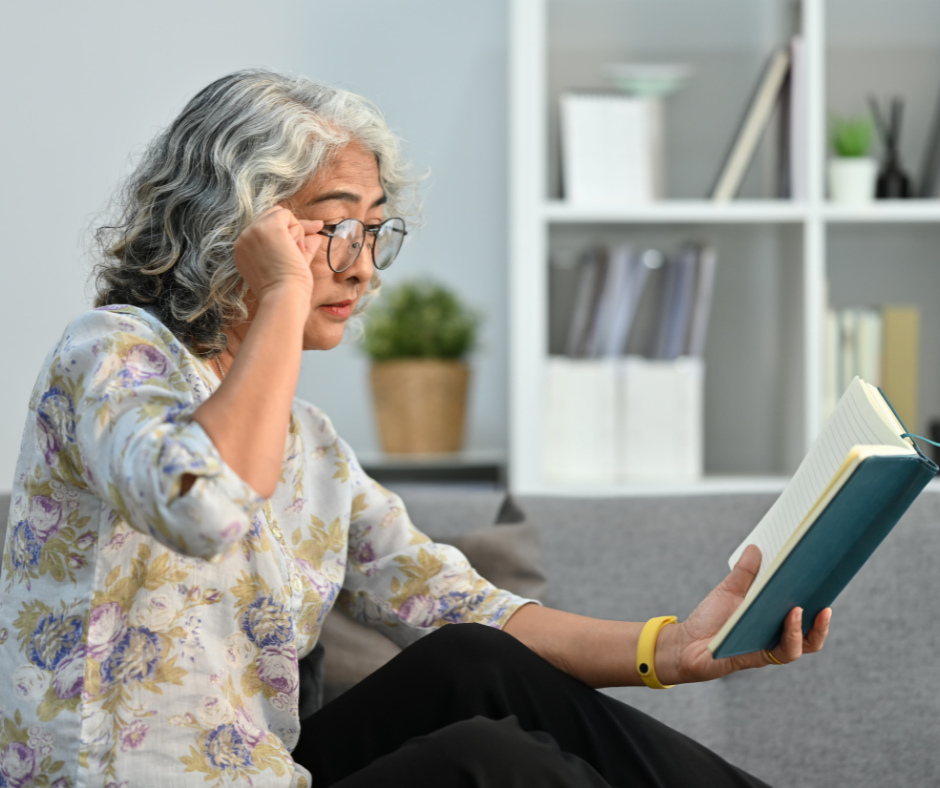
(181, 524)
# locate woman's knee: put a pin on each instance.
(474, 645)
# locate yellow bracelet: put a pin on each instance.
(646, 651)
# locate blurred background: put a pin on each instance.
(87, 85)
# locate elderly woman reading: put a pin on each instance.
(181, 524)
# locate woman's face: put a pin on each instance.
(348, 189)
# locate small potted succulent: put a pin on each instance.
(853, 172)
(418, 336)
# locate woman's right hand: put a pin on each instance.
(276, 251)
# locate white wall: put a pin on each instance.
(439, 72)
(87, 84)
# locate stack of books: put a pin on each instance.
(879, 345)
(625, 386)
(637, 302)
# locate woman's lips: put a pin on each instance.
(341, 309)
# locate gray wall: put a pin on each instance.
(87, 84)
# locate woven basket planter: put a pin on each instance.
(420, 405)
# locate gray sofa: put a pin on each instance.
(863, 713)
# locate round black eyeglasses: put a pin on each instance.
(349, 236)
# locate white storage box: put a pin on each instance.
(627, 419)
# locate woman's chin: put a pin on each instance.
(324, 337)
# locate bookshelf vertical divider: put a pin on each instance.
(528, 285)
(814, 231)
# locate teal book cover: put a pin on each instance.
(832, 550)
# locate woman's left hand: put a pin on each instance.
(682, 654)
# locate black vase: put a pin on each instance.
(893, 183)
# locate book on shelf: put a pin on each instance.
(628, 301)
(792, 151)
(615, 291)
(930, 169)
(879, 345)
(623, 314)
(676, 310)
(612, 148)
(707, 264)
(752, 125)
(591, 274)
(625, 402)
(900, 362)
(853, 486)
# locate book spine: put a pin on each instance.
(701, 310)
(756, 119)
(900, 362)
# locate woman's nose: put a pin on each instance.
(363, 268)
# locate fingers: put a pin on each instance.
(790, 647)
(816, 637)
(792, 644)
(744, 572)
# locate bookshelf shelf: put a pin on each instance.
(710, 485)
(781, 262)
(900, 212)
(679, 212)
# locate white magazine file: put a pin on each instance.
(628, 419)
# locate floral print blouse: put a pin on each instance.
(152, 638)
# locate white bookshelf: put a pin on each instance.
(678, 212)
(779, 260)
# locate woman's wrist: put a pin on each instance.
(296, 293)
(668, 652)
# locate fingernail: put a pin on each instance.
(799, 614)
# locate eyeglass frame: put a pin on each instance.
(374, 229)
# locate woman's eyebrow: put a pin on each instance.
(344, 196)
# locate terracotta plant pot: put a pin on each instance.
(420, 405)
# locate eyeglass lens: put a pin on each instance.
(350, 235)
(345, 245)
(388, 241)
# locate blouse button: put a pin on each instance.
(297, 583)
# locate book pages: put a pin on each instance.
(855, 421)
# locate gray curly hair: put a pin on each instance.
(243, 144)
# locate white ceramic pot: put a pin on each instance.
(852, 180)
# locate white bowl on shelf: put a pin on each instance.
(650, 80)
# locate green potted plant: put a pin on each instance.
(418, 336)
(853, 172)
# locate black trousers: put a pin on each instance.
(472, 707)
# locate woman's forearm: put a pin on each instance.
(599, 653)
(603, 653)
(248, 416)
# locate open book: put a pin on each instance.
(859, 477)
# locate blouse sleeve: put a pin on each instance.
(398, 580)
(114, 415)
